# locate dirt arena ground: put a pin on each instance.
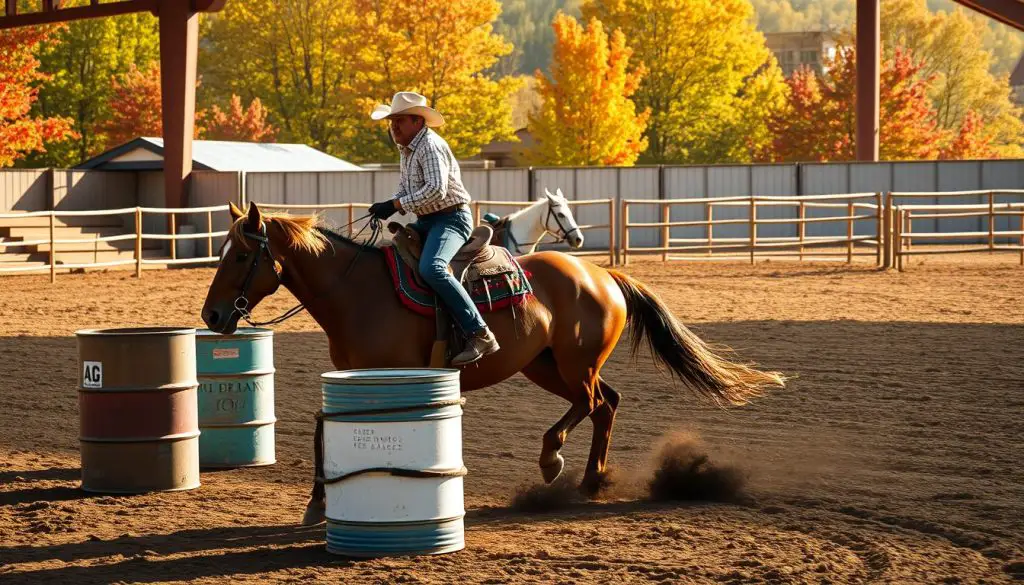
(895, 456)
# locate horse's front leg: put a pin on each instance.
(316, 507)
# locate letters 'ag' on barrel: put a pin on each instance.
(236, 398)
(406, 425)
(137, 409)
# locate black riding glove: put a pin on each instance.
(383, 209)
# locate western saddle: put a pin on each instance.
(474, 260)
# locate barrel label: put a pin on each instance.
(370, 440)
(92, 375)
(225, 353)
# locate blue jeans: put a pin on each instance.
(443, 235)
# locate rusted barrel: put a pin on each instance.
(236, 397)
(138, 415)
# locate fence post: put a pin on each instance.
(138, 242)
(53, 251)
(878, 238)
(174, 232)
(710, 213)
(1022, 238)
(624, 239)
(666, 232)
(611, 232)
(849, 232)
(887, 229)
(908, 229)
(476, 213)
(209, 234)
(802, 227)
(898, 240)
(753, 227)
(991, 221)
(351, 218)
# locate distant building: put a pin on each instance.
(147, 154)
(505, 153)
(796, 49)
(1017, 81)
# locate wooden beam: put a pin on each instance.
(179, 49)
(14, 20)
(10, 7)
(868, 61)
(1008, 12)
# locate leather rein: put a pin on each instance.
(241, 304)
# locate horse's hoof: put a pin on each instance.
(316, 513)
(552, 470)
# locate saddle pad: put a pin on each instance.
(490, 293)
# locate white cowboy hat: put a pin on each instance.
(407, 103)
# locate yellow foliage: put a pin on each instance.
(710, 81)
(587, 116)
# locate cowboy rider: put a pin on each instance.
(430, 185)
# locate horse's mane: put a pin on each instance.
(301, 232)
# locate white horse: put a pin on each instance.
(523, 230)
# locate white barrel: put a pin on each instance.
(393, 462)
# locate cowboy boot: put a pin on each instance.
(480, 344)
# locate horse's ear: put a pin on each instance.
(548, 194)
(558, 194)
(255, 218)
(235, 212)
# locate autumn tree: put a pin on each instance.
(951, 48)
(135, 106)
(710, 81)
(586, 115)
(238, 123)
(443, 50)
(299, 57)
(971, 141)
(819, 121)
(21, 132)
(137, 110)
(83, 62)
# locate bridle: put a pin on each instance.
(547, 230)
(241, 304)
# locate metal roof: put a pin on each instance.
(146, 153)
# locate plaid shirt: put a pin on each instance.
(430, 179)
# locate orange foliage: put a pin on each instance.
(19, 88)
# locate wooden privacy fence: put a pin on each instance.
(51, 244)
(851, 207)
(993, 240)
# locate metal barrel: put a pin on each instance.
(137, 409)
(236, 398)
(393, 462)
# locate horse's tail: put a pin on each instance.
(694, 362)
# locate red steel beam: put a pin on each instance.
(179, 47)
(868, 60)
(1008, 12)
(10, 7)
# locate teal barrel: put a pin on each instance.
(393, 462)
(236, 398)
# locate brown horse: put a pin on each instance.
(559, 340)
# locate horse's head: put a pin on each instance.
(560, 221)
(247, 273)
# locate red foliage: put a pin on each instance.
(249, 125)
(971, 141)
(19, 88)
(136, 106)
(819, 123)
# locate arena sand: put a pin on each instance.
(893, 457)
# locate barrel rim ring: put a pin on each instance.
(396, 523)
(389, 376)
(136, 331)
(240, 333)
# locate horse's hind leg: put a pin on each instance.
(316, 507)
(603, 419)
(544, 372)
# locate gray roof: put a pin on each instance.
(213, 155)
